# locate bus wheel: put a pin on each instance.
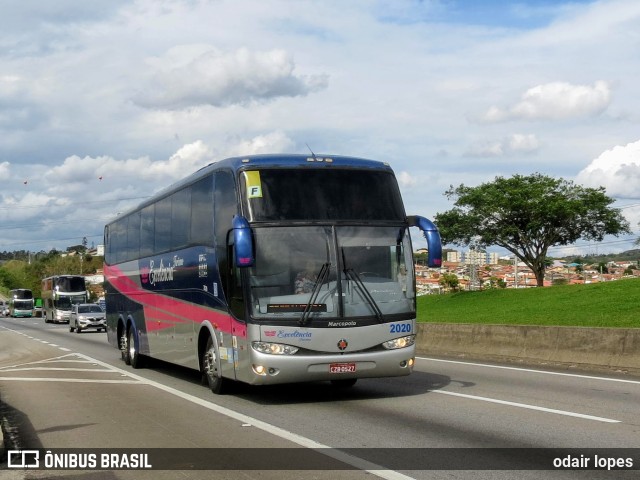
(133, 355)
(344, 382)
(210, 369)
(122, 340)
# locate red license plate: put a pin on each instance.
(342, 367)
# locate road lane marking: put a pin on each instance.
(68, 380)
(57, 369)
(524, 405)
(336, 454)
(531, 370)
(72, 358)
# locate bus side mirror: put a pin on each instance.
(243, 242)
(432, 235)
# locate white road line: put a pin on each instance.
(267, 427)
(524, 405)
(52, 369)
(359, 463)
(531, 370)
(66, 380)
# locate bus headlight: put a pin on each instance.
(401, 342)
(274, 348)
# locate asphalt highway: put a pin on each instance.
(449, 419)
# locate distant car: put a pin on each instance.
(85, 316)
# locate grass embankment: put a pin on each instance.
(611, 304)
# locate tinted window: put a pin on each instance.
(163, 225)
(180, 218)
(202, 212)
(147, 231)
(327, 194)
(225, 206)
(118, 239)
(71, 284)
(133, 236)
(225, 203)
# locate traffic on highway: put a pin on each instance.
(451, 418)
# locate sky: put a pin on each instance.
(103, 104)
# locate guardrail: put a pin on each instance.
(612, 349)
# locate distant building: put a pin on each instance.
(473, 257)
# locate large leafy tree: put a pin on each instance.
(527, 215)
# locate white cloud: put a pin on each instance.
(617, 169)
(221, 78)
(5, 171)
(514, 144)
(406, 180)
(555, 101)
(79, 170)
(523, 143)
(268, 143)
(142, 93)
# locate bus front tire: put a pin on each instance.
(210, 370)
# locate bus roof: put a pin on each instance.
(283, 160)
(290, 160)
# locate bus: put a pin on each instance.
(207, 274)
(20, 303)
(59, 293)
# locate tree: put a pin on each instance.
(527, 215)
(449, 281)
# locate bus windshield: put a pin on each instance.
(70, 284)
(332, 272)
(321, 194)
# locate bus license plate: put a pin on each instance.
(342, 367)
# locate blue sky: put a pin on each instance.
(104, 103)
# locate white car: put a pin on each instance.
(85, 316)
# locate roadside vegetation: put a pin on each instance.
(26, 270)
(611, 304)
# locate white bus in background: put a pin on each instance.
(21, 303)
(59, 293)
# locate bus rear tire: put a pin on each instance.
(210, 370)
(133, 356)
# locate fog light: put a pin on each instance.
(412, 361)
(259, 370)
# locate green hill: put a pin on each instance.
(611, 304)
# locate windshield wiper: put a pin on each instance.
(350, 273)
(322, 277)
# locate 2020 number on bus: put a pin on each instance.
(400, 328)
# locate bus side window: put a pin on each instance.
(225, 207)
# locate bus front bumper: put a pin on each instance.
(273, 369)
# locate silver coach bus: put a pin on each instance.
(269, 269)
